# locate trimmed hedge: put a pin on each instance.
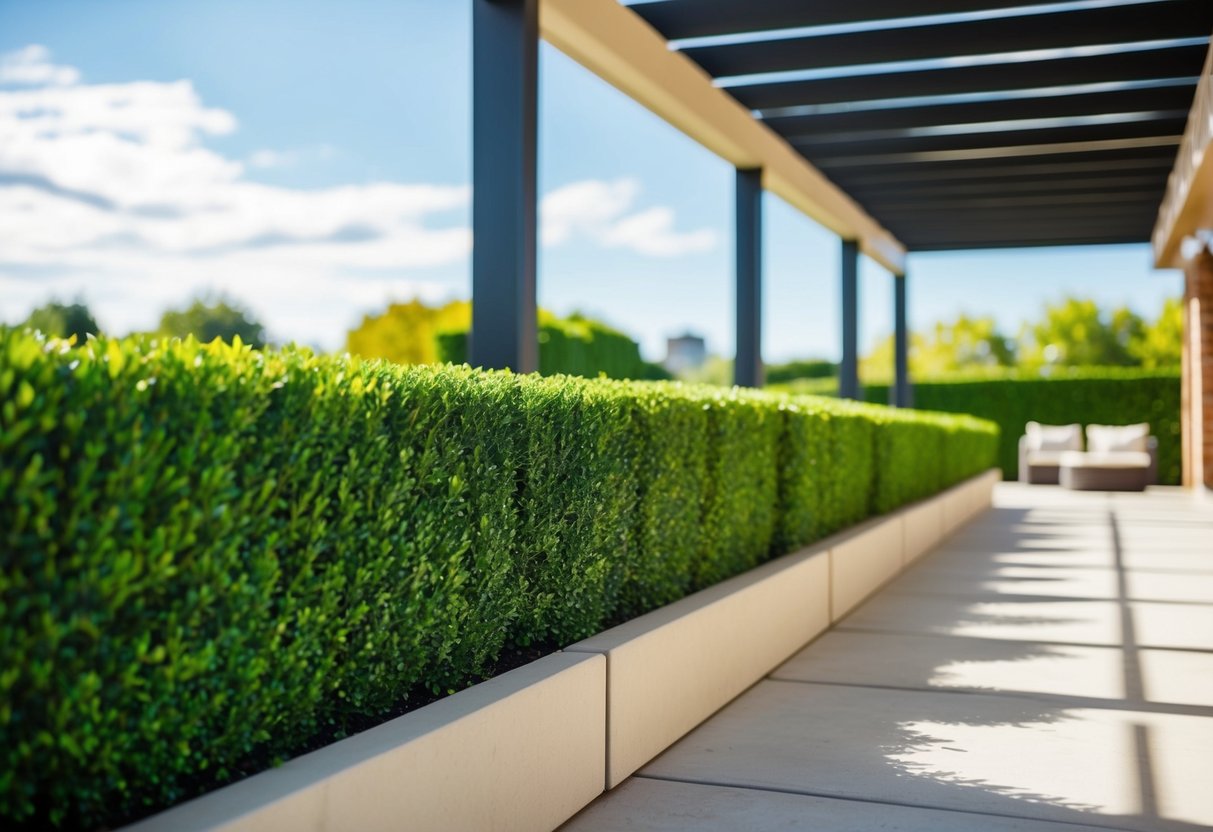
(575, 346)
(1107, 396)
(216, 557)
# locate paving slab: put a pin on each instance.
(990, 754)
(997, 580)
(945, 662)
(1178, 676)
(1180, 626)
(1048, 666)
(1007, 554)
(1028, 619)
(644, 805)
(1180, 587)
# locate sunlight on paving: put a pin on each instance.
(1057, 669)
(1012, 580)
(1130, 763)
(1076, 622)
(999, 758)
(1178, 677)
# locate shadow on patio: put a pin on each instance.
(1049, 665)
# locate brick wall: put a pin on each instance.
(1198, 370)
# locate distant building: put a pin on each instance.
(686, 352)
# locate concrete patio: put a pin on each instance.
(1048, 667)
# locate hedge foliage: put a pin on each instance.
(1106, 396)
(576, 346)
(213, 557)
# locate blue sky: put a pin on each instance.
(312, 160)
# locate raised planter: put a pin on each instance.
(671, 669)
(522, 751)
(530, 748)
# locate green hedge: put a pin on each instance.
(575, 346)
(215, 557)
(1109, 396)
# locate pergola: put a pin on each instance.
(900, 125)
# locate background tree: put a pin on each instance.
(963, 345)
(405, 332)
(63, 320)
(1074, 333)
(1160, 344)
(206, 321)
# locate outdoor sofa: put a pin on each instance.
(1117, 457)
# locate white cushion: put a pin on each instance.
(1101, 438)
(1105, 459)
(1047, 457)
(1054, 437)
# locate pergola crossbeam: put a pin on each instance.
(1102, 26)
(611, 41)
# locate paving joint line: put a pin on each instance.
(873, 801)
(888, 632)
(1092, 702)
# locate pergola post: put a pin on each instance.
(747, 367)
(505, 74)
(902, 394)
(848, 370)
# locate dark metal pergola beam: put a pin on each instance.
(901, 344)
(1020, 186)
(747, 366)
(1139, 65)
(1173, 98)
(1013, 168)
(505, 92)
(1174, 19)
(976, 243)
(848, 368)
(1051, 203)
(855, 145)
(677, 19)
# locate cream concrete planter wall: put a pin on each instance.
(671, 669)
(522, 751)
(864, 559)
(530, 748)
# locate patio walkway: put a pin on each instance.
(1049, 667)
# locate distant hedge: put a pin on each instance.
(575, 346)
(793, 370)
(1110, 396)
(213, 556)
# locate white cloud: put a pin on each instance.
(32, 65)
(652, 232)
(109, 190)
(599, 211)
(266, 158)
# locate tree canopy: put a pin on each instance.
(405, 332)
(206, 321)
(64, 320)
(1073, 332)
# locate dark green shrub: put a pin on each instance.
(851, 470)
(213, 557)
(235, 549)
(576, 505)
(575, 346)
(805, 453)
(805, 368)
(741, 493)
(671, 436)
(1110, 396)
